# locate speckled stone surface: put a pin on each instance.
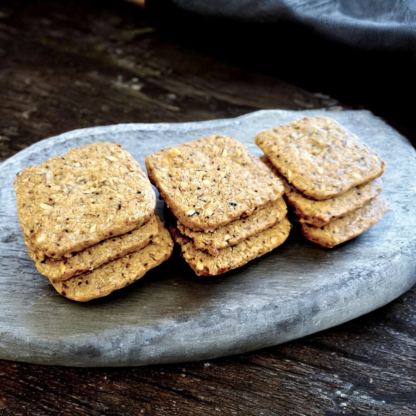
(171, 315)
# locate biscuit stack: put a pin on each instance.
(88, 219)
(331, 178)
(227, 205)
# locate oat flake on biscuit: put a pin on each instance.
(78, 199)
(319, 157)
(212, 181)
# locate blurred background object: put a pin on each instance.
(77, 64)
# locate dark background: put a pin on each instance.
(75, 64)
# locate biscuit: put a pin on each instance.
(118, 273)
(89, 194)
(319, 213)
(238, 230)
(345, 228)
(230, 258)
(320, 158)
(97, 255)
(212, 181)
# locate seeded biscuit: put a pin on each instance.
(319, 213)
(87, 195)
(319, 157)
(212, 181)
(238, 230)
(230, 258)
(345, 228)
(97, 255)
(118, 273)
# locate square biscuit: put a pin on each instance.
(212, 181)
(203, 264)
(118, 273)
(97, 255)
(319, 213)
(238, 230)
(345, 228)
(87, 195)
(320, 158)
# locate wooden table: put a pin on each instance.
(69, 65)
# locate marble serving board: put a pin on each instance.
(171, 315)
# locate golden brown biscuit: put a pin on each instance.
(212, 181)
(345, 228)
(118, 273)
(238, 230)
(229, 258)
(319, 213)
(97, 255)
(85, 196)
(320, 158)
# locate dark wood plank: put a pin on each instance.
(82, 64)
(67, 65)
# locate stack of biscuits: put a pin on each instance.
(331, 178)
(88, 220)
(227, 205)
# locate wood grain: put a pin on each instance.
(82, 64)
(67, 65)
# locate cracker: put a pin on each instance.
(97, 255)
(319, 213)
(118, 273)
(238, 230)
(212, 181)
(345, 228)
(319, 157)
(89, 194)
(230, 258)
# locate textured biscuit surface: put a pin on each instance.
(319, 213)
(212, 181)
(319, 157)
(238, 230)
(78, 199)
(118, 273)
(229, 258)
(97, 255)
(345, 228)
